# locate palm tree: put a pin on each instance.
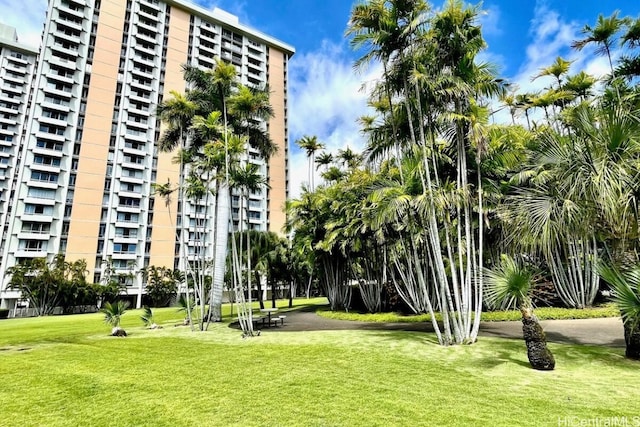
(333, 174)
(247, 179)
(112, 314)
(311, 145)
(559, 68)
(603, 35)
(509, 100)
(387, 30)
(177, 112)
(248, 108)
(626, 295)
(210, 91)
(349, 158)
(524, 102)
(511, 282)
(324, 159)
(147, 318)
(580, 85)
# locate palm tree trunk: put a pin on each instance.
(632, 340)
(535, 339)
(220, 253)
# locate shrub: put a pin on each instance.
(4, 313)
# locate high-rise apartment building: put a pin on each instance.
(17, 66)
(87, 157)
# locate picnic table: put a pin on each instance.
(269, 311)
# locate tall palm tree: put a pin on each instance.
(349, 158)
(603, 35)
(324, 159)
(511, 282)
(247, 179)
(558, 69)
(210, 91)
(310, 145)
(248, 108)
(386, 30)
(524, 102)
(177, 112)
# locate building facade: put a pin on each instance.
(87, 158)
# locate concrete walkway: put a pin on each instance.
(606, 331)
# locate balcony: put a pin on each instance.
(138, 125)
(45, 167)
(33, 217)
(63, 63)
(51, 121)
(130, 194)
(16, 68)
(21, 61)
(48, 151)
(74, 12)
(124, 255)
(131, 179)
(138, 164)
(147, 37)
(121, 238)
(120, 222)
(28, 253)
(12, 88)
(145, 50)
(35, 183)
(137, 150)
(34, 235)
(144, 24)
(52, 75)
(58, 92)
(66, 49)
(50, 136)
(206, 50)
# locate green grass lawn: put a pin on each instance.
(67, 371)
(543, 313)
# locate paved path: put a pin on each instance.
(607, 331)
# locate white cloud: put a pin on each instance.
(552, 36)
(490, 21)
(326, 99)
(29, 22)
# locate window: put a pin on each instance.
(32, 245)
(49, 145)
(47, 161)
(35, 227)
(127, 217)
(41, 193)
(44, 176)
(52, 129)
(124, 248)
(31, 209)
(129, 202)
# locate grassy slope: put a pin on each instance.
(66, 371)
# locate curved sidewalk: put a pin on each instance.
(605, 331)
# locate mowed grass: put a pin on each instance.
(543, 313)
(67, 371)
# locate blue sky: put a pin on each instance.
(523, 36)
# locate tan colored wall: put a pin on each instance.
(87, 202)
(277, 163)
(164, 218)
